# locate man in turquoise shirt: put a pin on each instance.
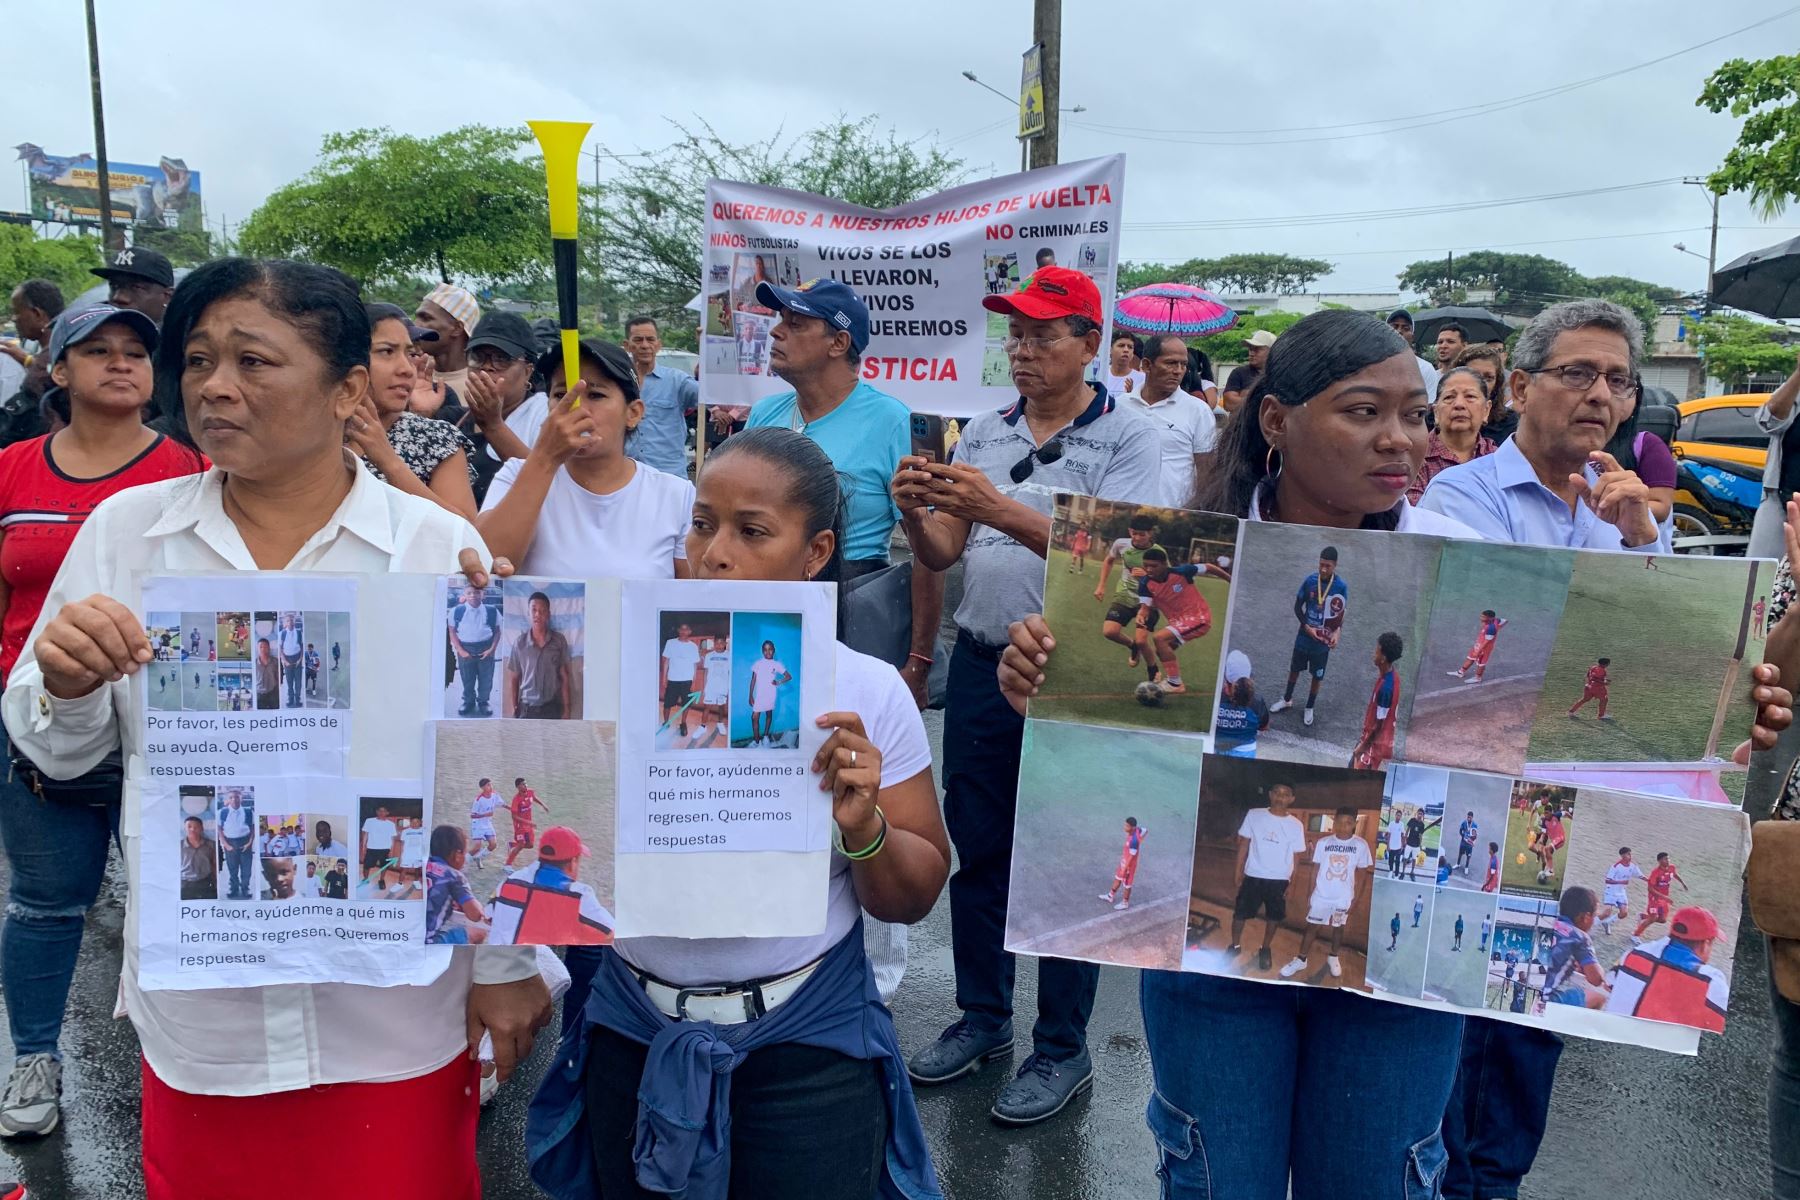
(817, 347)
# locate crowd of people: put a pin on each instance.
(263, 416)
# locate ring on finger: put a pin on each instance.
(853, 758)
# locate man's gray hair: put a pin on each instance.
(1533, 348)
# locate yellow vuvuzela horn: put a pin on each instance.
(561, 142)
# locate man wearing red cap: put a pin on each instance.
(1671, 980)
(546, 904)
(990, 509)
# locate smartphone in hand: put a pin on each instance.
(930, 437)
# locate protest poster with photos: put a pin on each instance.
(290, 836)
(250, 674)
(1488, 777)
(923, 269)
(718, 689)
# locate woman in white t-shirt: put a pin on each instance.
(818, 1104)
(577, 506)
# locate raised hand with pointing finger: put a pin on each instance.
(1619, 498)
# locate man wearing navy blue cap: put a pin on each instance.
(660, 440)
(817, 347)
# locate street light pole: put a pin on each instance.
(104, 178)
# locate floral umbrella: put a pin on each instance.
(1177, 308)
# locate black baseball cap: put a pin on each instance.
(610, 358)
(134, 262)
(505, 331)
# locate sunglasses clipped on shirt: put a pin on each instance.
(1047, 453)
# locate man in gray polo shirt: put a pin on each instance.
(990, 508)
(537, 668)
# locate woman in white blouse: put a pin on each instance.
(260, 365)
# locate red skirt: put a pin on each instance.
(417, 1137)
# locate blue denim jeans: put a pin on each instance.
(981, 774)
(1500, 1108)
(57, 853)
(477, 673)
(1260, 1087)
(1784, 1098)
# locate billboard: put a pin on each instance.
(66, 188)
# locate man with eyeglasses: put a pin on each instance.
(990, 507)
(1552, 483)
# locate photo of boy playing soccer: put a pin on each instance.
(1656, 909)
(524, 819)
(1595, 688)
(1487, 636)
(1492, 882)
(1337, 857)
(1376, 745)
(1078, 551)
(1126, 555)
(1128, 865)
(1170, 591)
(1615, 899)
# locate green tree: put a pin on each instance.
(182, 247)
(1765, 162)
(382, 206)
(1735, 348)
(1228, 347)
(651, 219)
(1521, 279)
(64, 261)
(1282, 274)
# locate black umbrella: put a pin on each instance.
(1479, 325)
(1765, 281)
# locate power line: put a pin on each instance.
(1196, 137)
(1600, 237)
(1393, 214)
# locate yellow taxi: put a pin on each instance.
(1722, 428)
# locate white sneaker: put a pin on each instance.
(1454, 674)
(1334, 966)
(1473, 679)
(1281, 706)
(1121, 906)
(1294, 967)
(490, 1082)
(1107, 897)
(31, 1106)
(1171, 689)
(1308, 718)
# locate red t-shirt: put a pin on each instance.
(41, 510)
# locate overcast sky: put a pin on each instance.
(243, 93)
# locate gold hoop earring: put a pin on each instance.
(1272, 462)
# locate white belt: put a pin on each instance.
(732, 1004)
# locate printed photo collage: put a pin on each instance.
(735, 337)
(521, 783)
(1311, 829)
(234, 847)
(1004, 270)
(249, 661)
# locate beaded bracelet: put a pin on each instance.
(867, 852)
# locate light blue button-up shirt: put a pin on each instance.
(660, 439)
(1500, 496)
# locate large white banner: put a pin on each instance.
(923, 269)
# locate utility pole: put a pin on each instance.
(105, 179)
(1046, 30)
(1712, 251)
(1449, 276)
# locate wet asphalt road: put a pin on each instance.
(1624, 1121)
